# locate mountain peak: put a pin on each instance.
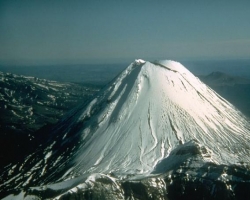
(172, 65)
(139, 61)
(168, 64)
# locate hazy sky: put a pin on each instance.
(64, 32)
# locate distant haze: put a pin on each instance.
(72, 32)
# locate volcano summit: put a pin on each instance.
(154, 125)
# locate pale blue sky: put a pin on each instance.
(71, 32)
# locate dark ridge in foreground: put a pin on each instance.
(206, 181)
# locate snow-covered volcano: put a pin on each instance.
(149, 110)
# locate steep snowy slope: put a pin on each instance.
(133, 125)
